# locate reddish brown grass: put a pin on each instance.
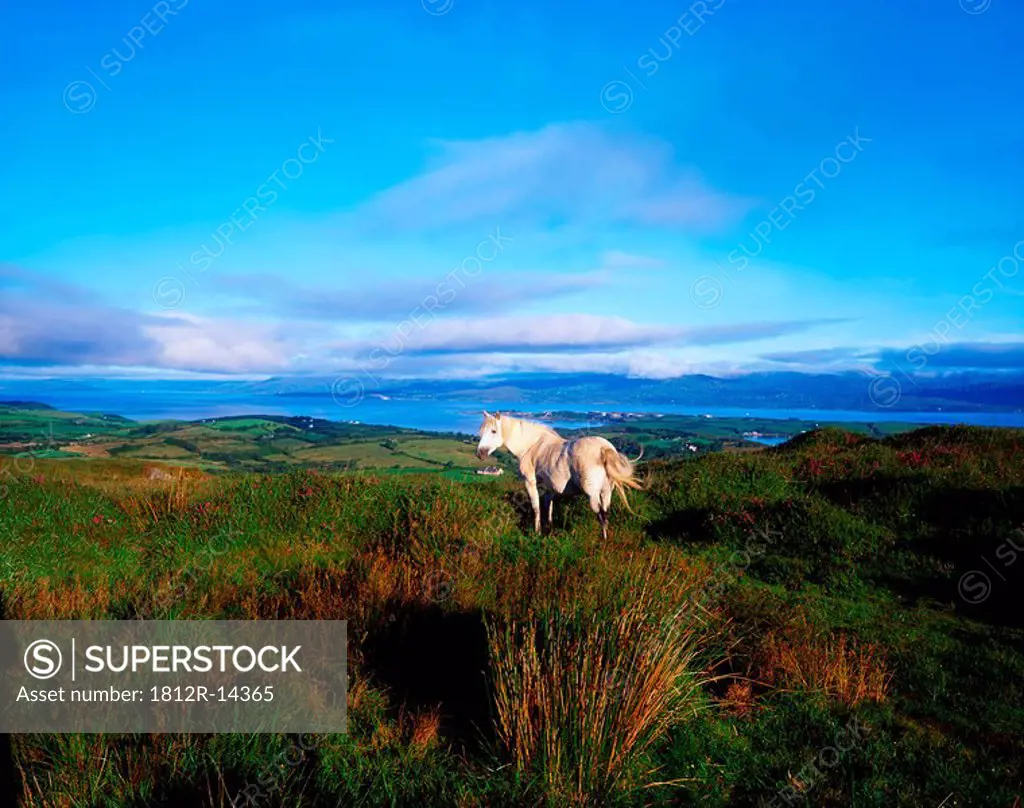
(739, 697)
(836, 665)
(581, 695)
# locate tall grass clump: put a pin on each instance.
(838, 666)
(582, 695)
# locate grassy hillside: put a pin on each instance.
(257, 444)
(786, 625)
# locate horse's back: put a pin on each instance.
(587, 451)
(548, 457)
(571, 466)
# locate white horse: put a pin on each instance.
(548, 462)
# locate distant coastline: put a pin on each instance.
(461, 416)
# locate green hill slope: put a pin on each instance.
(848, 609)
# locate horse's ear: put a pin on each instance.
(486, 414)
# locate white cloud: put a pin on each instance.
(565, 172)
(525, 333)
(192, 343)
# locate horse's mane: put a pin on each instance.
(541, 426)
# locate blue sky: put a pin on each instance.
(456, 188)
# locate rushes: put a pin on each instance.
(582, 696)
(837, 666)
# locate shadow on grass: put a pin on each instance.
(10, 782)
(968, 545)
(689, 526)
(519, 502)
(234, 790)
(851, 492)
(429, 658)
(977, 534)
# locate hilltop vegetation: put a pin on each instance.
(663, 436)
(783, 627)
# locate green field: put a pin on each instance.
(270, 444)
(779, 627)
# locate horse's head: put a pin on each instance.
(490, 435)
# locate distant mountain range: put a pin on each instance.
(965, 392)
(844, 391)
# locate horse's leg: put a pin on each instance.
(531, 489)
(600, 502)
(548, 508)
(606, 504)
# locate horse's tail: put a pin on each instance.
(619, 469)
